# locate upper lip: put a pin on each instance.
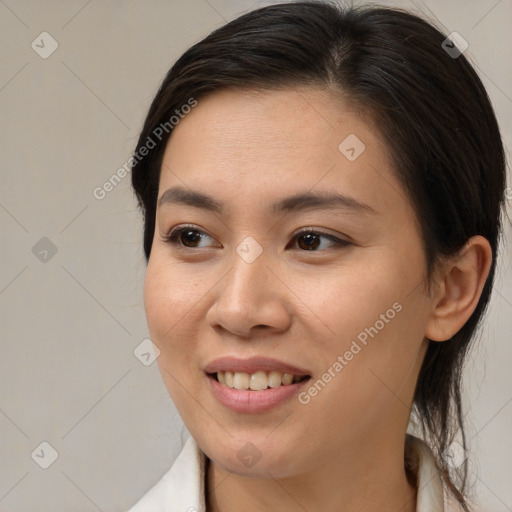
(253, 365)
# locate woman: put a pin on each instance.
(321, 189)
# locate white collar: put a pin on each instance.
(181, 489)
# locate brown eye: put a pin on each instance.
(309, 240)
(189, 237)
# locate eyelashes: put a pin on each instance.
(189, 237)
(174, 237)
(311, 236)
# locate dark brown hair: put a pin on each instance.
(432, 110)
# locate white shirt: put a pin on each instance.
(181, 489)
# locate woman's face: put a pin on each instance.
(300, 255)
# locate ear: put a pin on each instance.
(459, 287)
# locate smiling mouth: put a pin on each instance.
(257, 381)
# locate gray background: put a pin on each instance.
(70, 321)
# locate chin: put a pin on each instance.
(258, 458)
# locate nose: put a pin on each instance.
(251, 299)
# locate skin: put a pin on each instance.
(248, 149)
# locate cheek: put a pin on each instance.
(353, 296)
(376, 314)
(168, 293)
(171, 305)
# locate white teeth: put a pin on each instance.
(257, 381)
(286, 379)
(241, 380)
(274, 379)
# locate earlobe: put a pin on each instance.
(460, 286)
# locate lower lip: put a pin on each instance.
(241, 400)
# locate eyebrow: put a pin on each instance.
(298, 202)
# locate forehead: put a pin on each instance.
(242, 144)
